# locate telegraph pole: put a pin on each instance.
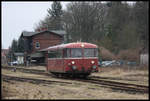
(11, 59)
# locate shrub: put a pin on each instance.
(129, 54)
(106, 54)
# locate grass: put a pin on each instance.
(78, 90)
(137, 75)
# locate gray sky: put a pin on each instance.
(19, 16)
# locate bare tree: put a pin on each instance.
(84, 20)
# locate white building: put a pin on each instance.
(20, 57)
(144, 58)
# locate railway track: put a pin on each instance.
(25, 70)
(31, 80)
(118, 85)
(113, 78)
(97, 80)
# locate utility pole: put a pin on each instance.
(11, 59)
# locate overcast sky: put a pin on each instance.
(19, 16)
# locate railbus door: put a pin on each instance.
(59, 62)
(55, 61)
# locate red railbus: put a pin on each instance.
(78, 58)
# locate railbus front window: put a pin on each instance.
(90, 52)
(76, 52)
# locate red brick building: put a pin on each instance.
(4, 53)
(35, 41)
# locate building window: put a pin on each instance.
(37, 45)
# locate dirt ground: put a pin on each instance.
(76, 90)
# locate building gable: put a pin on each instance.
(29, 34)
(44, 39)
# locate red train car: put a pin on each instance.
(78, 58)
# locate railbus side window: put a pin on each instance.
(52, 54)
(66, 52)
(59, 54)
(55, 54)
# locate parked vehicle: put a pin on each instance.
(73, 59)
(13, 63)
(99, 63)
(118, 63)
(107, 63)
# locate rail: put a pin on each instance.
(96, 80)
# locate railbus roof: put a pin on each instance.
(71, 45)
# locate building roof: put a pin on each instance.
(5, 51)
(25, 33)
(19, 54)
(59, 32)
(36, 54)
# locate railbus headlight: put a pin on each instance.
(73, 62)
(94, 67)
(92, 62)
(74, 67)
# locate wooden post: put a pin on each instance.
(46, 59)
